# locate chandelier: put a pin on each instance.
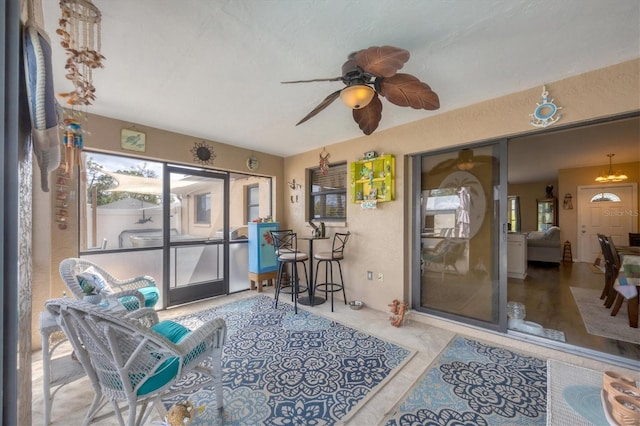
(610, 176)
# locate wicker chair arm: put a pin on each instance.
(132, 283)
(130, 305)
(146, 317)
(212, 333)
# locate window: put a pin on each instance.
(513, 213)
(328, 193)
(253, 202)
(203, 209)
(604, 197)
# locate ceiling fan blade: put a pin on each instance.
(322, 105)
(369, 116)
(407, 90)
(382, 61)
(314, 80)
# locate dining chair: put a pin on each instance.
(286, 246)
(133, 360)
(608, 280)
(328, 258)
(634, 239)
(612, 267)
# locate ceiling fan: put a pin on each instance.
(465, 161)
(371, 72)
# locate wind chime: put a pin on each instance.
(80, 33)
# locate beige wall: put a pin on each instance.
(380, 240)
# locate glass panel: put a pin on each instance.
(604, 197)
(196, 264)
(459, 243)
(121, 203)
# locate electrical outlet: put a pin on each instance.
(369, 275)
(380, 276)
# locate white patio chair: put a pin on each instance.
(75, 270)
(133, 358)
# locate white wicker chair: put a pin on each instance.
(135, 359)
(71, 268)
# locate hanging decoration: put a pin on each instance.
(324, 162)
(567, 204)
(80, 33)
(203, 153)
(40, 94)
(73, 143)
(545, 113)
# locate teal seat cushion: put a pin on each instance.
(151, 296)
(168, 370)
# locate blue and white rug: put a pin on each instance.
(472, 383)
(280, 368)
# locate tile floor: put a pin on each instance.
(427, 335)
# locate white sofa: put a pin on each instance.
(544, 246)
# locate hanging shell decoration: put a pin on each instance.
(80, 33)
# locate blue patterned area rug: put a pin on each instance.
(472, 383)
(280, 368)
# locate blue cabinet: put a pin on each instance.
(262, 255)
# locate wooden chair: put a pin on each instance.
(132, 358)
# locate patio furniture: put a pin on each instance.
(286, 245)
(76, 272)
(446, 253)
(134, 359)
(329, 258)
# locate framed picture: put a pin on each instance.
(132, 140)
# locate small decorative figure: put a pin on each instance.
(73, 144)
(398, 310)
(324, 162)
(549, 191)
(180, 414)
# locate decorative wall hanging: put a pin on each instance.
(203, 153)
(567, 204)
(41, 97)
(253, 163)
(73, 143)
(80, 33)
(324, 162)
(294, 187)
(545, 113)
(132, 140)
(62, 198)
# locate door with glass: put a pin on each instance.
(196, 237)
(460, 235)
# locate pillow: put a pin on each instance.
(91, 277)
(552, 233)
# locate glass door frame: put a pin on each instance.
(498, 201)
(198, 291)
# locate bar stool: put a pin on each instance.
(328, 258)
(286, 245)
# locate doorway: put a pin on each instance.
(605, 209)
(460, 209)
(196, 239)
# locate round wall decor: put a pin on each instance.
(203, 153)
(253, 163)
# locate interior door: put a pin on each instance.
(460, 235)
(609, 209)
(196, 239)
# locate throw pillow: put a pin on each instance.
(91, 277)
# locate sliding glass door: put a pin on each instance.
(460, 235)
(196, 211)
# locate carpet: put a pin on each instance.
(598, 320)
(281, 368)
(472, 383)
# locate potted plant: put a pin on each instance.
(91, 292)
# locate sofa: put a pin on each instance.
(544, 246)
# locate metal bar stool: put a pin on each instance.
(286, 245)
(328, 258)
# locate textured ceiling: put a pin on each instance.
(212, 69)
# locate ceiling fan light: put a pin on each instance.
(357, 96)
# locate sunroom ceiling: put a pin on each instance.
(212, 69)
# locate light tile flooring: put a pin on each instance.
(426, 335)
